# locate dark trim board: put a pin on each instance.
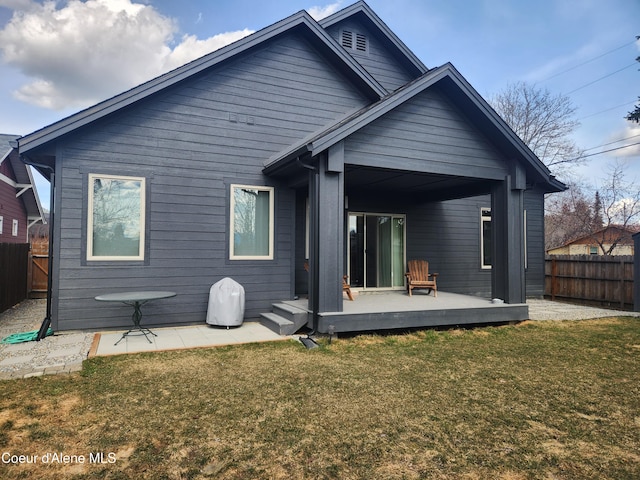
(357, 322)
(396, 310)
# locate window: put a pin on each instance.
(485, 237)
(1, 221)
(251, 223)
(593, 250)
(14, 228)
(115, 218)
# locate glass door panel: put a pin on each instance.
(376, 250)
(356, 250)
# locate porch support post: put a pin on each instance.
(507, 225)
(326, 197)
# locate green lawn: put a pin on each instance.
(544, 400)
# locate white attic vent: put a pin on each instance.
(354, 41)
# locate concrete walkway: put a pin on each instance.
(64, 352)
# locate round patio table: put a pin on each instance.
(135, 300)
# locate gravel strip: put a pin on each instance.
(55, 354)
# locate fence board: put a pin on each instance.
(603, 280)
(39, 269)
(14, 266)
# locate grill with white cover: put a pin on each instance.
(226, 303)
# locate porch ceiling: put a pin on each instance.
(412, 183)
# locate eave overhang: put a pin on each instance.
(460, 92)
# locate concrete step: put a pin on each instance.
(284, 319)
(278, 324)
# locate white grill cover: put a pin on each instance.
(226, 303)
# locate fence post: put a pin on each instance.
(636, 272)
(554, 272)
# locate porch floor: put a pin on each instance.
(395, 309)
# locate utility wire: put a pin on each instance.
(588, 61)
(598, 79)
(608, 109)
(611, 143)
(606, 151)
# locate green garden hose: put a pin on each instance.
(24, 336)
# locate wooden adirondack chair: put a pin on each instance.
(418, 276)
(346, 288)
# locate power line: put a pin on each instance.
(611, 143)
(598, 79)
(589, 61)
(608, 109)
(607, 151)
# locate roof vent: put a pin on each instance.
(361, 42)
(347, 39)
(354, 41)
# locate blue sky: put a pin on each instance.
(59, 57)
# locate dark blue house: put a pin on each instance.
(322, 144)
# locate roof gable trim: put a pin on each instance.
(106, 107)
(362, 7)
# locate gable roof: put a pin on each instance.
(300, 22)
(620, 233)
(399, 50)
(458, 90)
(24, 178)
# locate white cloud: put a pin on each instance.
(630, 135)
(191, 48)
(319, 12)
(81, 52)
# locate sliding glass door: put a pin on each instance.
(376, 250)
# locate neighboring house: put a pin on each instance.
(323, 142)
(614, 240)
(20, 206)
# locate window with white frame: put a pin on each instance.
(1, 222)
(485, 238)
(14, 228)
(116, 217)
(252, 221)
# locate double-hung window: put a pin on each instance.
(251, 221)
(116, 218)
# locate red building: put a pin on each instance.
(19, 202)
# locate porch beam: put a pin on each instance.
(507, 225)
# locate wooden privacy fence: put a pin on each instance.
(14, 267)
(602, 280)
(39, 269)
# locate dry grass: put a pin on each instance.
(536, 401)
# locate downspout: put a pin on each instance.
(47, 320)
(315, 251)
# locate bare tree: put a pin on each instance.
(569, 215)
(611, 217)
(543, 121)
(620, 199)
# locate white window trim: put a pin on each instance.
(232, 204)
(1, 223)
(14, 228)
(143, 191)
(483, 218)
